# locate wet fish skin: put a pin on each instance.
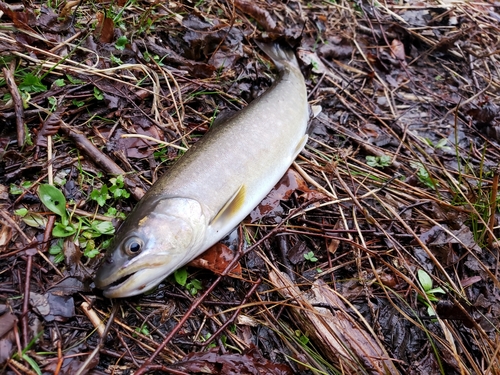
(212, 187)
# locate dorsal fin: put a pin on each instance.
(230, 208)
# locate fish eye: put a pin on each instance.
(133, 246)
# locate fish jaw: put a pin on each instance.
(167, 237)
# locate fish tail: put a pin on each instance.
(280, 53)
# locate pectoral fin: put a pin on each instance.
(300, 146)
(231, 208)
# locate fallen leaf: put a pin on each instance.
(216, 259)
(289, 183)
(5, 236)
(105, 28)
(249, 363)
(398, 49)
(53, 307)
(50, 126)
(7, 335)
(262, 16)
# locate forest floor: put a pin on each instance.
(377, 253)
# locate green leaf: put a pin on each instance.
(57, 248)
(32, 83)
(121, 43)
(181, 276)
(385, 160)
(35, 220)
(103, 227)
(436, 290)
(194, 286)
(73, 80)
(105, 244)
(16, 190)
(53, 103)
(115, 60)
(21, 212)
(100, 196)
(425, 280)
(53, 199)
(91, 253)
(60, 230)
(371, 161)
(98, 94)
(60, 82)
(32, 363)
(442, 143)
(78, 103)
(310, 257)
(59, 258)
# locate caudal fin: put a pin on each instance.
(279, 53)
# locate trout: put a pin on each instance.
(212, 187)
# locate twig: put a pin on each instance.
(142, 136)
(81, 141)
(92, 355)
(233, 317)
(18, 106)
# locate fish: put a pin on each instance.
(212, 187)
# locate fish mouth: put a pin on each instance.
(131, 284)
(110, 290)
(121, 280)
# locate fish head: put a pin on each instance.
(154, 241)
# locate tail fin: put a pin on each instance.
(279, 53)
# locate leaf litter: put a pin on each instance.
(400, 176)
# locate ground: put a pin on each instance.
(376, 253)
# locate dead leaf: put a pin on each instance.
(53, 307)
(289, 183)
(259, 14)
(7, 335)
(68, 7)
(5, 236)
(216, 259)
(398, 49)
(50, 126)
(249, 363)
(105, 28)
(21, 19)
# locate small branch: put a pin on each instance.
(18, 106)
(235, 315)
(81, 141)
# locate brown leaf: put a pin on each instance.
(398, 49)
(484, 114)
(262, 16)
(105, 28)
(249, 363)
(21, 20)
(216, 259)
(50, 127)
(52, 307)
(5, 236)
(283, 190)
(7, 335)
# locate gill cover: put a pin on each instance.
(151, 246)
